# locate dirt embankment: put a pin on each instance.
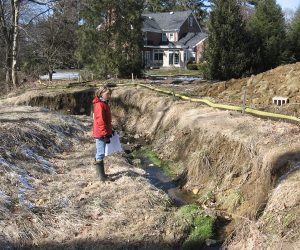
(63, 98)
(235, 163)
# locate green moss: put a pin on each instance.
(188, 212)
(203, 226)
(200, 226)
(145, 152)
(203, 229)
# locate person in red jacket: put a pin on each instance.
(102, 128)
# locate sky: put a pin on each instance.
(289, 4)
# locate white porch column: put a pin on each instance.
(166, 58)
(181, 58)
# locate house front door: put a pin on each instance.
(158, 57)
(174, 58)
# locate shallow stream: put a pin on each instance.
(161, 180)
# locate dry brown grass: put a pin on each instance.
(29, 138)
(51, 199)
(239, 159)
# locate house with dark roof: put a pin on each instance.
(172, 39)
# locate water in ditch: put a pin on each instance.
(171, 186)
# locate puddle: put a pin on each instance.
(62, 76)
(175, 78)
(157, 178)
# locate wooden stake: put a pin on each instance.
(244, 100)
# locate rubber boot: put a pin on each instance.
(100, 170)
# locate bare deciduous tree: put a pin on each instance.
(55, 38)
(9, 27)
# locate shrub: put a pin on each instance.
(193, 66)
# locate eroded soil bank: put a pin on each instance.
(243, 166)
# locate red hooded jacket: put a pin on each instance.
(102, 119)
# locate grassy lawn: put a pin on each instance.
(172, 72)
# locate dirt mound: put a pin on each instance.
(29, 138)
(260, 89)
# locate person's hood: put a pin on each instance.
(97, 99)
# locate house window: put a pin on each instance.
(174, 57)
(158, 55)
(171, 58)
(147, 57)
(191, 21)
(186, 54)
(193, 57)
(164, 37)
(171, 37)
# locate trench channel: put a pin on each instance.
(133, 147)
(79, 104)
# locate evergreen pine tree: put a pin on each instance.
(267, 27)
(158, 5)
(129, 37)
(226, 54)
(294, 37)
(111, 38)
